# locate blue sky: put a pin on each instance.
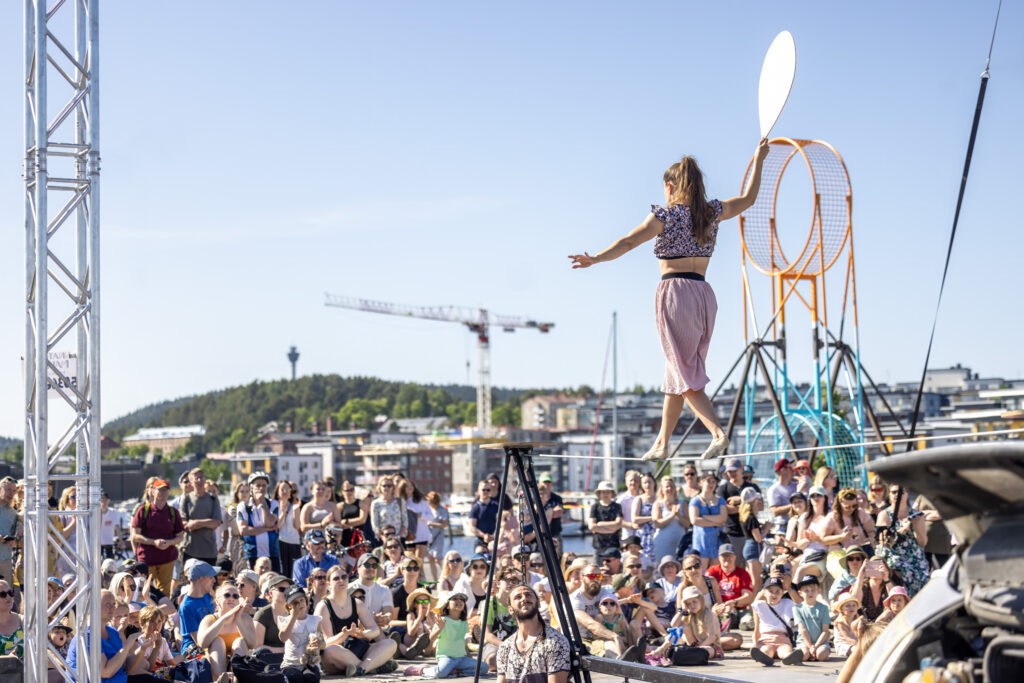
(255, 156)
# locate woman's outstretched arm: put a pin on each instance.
(737, 205)
(647, 230)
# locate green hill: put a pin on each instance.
(233, 416)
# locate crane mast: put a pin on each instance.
(477, 320)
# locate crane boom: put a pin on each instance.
(478, 320)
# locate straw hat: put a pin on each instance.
(410, 602)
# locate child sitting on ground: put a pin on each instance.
(847, 622)
(812, 621)
(700, 626)
(773, 627)
(449, 633)
(299, 631)
(660, 616)
(894, 604)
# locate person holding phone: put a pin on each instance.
(872, 586)
(902, 542)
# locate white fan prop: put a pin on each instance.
(777, 74)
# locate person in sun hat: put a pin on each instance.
(157, 529)
(605, 518)
(847, 623)
(851, 561)
(553, 509)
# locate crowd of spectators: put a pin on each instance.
(345, 580)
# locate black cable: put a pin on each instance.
(952, 235)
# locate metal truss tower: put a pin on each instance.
(62, 343)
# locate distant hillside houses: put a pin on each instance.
(164, 438)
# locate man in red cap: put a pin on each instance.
(156, 532)
(780, 492)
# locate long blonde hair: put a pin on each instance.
(688, 188)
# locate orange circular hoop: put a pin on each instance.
(831, 219)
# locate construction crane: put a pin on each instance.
(478, 320)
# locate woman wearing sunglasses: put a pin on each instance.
(316, 588)
(477, 572)
(455, 580)
(12, 636)
(228, 631)
(388, 509)
(349, 629)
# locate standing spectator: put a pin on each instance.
(750, 503)
(780, 492)
(353, 514)
(856, 525)
(389, 509)
(817, 532)
(671, 520)
(201, 516)
(605, 518)
(483, 516)
(939, 543)
(257, 523)
(12, 635)
(902, 542)
(625, 499)
(185, 484)
(730, 489)
(554, 509)
(797, 507)
(288, 540)
(8, 527)
(436, 519)
(748, 477)
(157, 530)
(826, 478)
(321, 512)
(68, 523)
(497, 494)
(317, 557)
(236, 548)
(643, 521)
(691, 483)
(878, 497)
(536, 652)
(417, 509)
(111, 538)
(802, 476)
(707, 514)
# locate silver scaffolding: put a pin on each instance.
(62, 342)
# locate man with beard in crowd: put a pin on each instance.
(535, 653)
(602, 641)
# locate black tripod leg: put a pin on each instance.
(546, 546)
(490, 573)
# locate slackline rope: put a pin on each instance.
(952, 234)
(805, 449)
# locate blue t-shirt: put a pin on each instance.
(190, 613)
(815, 619)
(110, 647)
(305, 565)
(486, 516)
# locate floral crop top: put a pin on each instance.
(677, 240)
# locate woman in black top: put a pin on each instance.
(353, 515)
(349, 627)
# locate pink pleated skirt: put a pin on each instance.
(685, 313)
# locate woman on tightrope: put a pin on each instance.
(684, 231)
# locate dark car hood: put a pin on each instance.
(971, 485)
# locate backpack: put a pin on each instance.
(145, 515)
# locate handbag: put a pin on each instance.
(194, 671)
(252, 669)
(685, 655)
(789, 631)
